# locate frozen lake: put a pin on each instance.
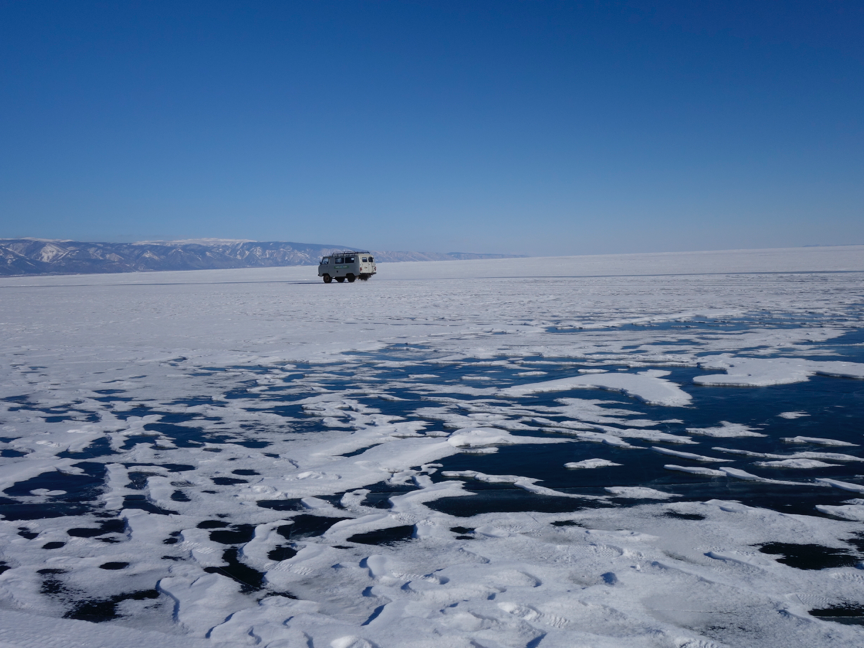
(640, 450)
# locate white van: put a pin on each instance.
(348, 265)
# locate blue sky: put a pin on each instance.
(521, 127)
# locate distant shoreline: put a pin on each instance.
(31, 256)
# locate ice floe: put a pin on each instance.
(792, 415)
(760, 372)
(737, 473)
(798, 464)
(849, 510)
(836, 483)
(696, 470)
(726, 430)
(689, 455)
(819, 441)
(638, 492)
(590, 463)
(648, 386)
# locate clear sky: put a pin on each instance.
(521, 127)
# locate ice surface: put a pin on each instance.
(726, 430)
(792, 415)
(857, 488)
(696, 470)
(522, 482)
(849, 510)
(590, 463)
(255, 458)
(830, 456)
(689, 455)
(795, 463)
(638, 492)
(648, 386)
(483, 437)
(819, 441)
(737, 473)
(759, 372)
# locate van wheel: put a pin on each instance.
(327, 278)
(340, 279)
(350, 278)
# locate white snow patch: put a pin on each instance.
(793, 415)
(737, 473)
(829, 456)
(526, 483)
(726, 430)
(590, 463)
(696, 470)
(849, 510)
(689, 455)
(639, 492)
(648, 386)
(761, 372)
(483, 437)
(795, 463)
(818, 441)
(855, 488)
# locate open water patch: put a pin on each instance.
(249, 579)
(497, 498)
(810, 556)
(388, 536)
(101, 610)
(847, 613)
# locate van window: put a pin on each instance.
(363, 259)
(338, 260)
(371, 260)
(325, 260)
(349, 259)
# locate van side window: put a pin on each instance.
(349, 259)
(325, 261)
(338, 260)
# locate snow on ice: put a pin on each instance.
(452, 454)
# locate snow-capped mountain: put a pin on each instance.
(28, 256)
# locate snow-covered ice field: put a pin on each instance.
(639, 450)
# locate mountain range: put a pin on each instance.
(27, 256)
